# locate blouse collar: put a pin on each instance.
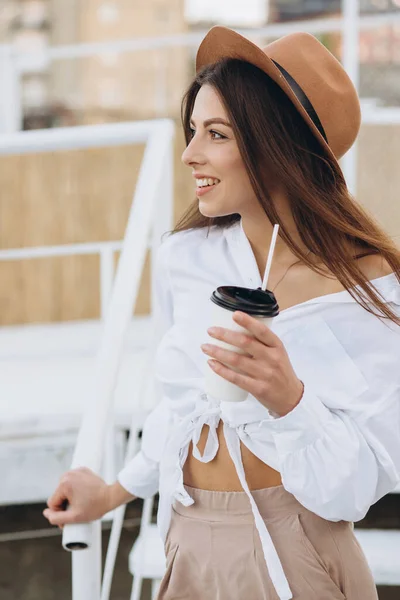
(243, 255)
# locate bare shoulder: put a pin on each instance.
(374, 266)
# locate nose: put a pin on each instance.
(193, 153)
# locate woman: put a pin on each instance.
(258, 498)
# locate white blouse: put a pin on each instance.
(338, 450)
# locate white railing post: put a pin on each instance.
(119, 513)
(163, 223)
(165, 211)
(86, 567)
(106, 277)
(10, 96)
(110, 459)
(161, 83)
(350, 60)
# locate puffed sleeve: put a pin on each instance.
(140, 476)
(338, 463)
(339, 455)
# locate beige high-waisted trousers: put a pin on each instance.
(214, 552)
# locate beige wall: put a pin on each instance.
(130, 82)
(64, 74)
(379, 174)
(111, 86)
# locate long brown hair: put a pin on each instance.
(273, 139)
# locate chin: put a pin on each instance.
(209, 214)
(207, 211)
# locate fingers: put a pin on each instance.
(57, 504)
(65, 488)
(77, 499)
(247, 342)
(234, 360)
(259, 329)
(60, 496)
(248, 384)
(61, 517)
(234, 343)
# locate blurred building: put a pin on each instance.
(379, 49)
(26, 25)
(109, 86)
(144, 84)
(209, 12)
(286, 10)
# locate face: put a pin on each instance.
(213, 154)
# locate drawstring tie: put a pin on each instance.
(208, 412)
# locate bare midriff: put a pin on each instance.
(220, 474)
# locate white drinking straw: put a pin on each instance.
(270, 255)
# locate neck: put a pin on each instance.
(259, 229)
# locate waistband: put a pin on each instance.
(209, 505)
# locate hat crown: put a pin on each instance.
(325, 83)
(320, 81)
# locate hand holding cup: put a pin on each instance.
(259, 366)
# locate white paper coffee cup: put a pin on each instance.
(217, 386)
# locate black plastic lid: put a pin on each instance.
(255, 302)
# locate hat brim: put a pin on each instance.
(222, 42)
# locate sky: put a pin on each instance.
(228, 12)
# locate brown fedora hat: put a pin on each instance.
(307, 72)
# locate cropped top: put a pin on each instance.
(337, 451)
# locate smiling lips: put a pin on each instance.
(206, 181)
(205, 184)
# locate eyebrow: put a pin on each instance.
(208, 122)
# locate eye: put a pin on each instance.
(212, 133)
(221, 137)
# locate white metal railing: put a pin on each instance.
(191, 40)
(350, 37)
(105, 250)
(383, 115)
(75, 138)
(150, 216)
(10, 97)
